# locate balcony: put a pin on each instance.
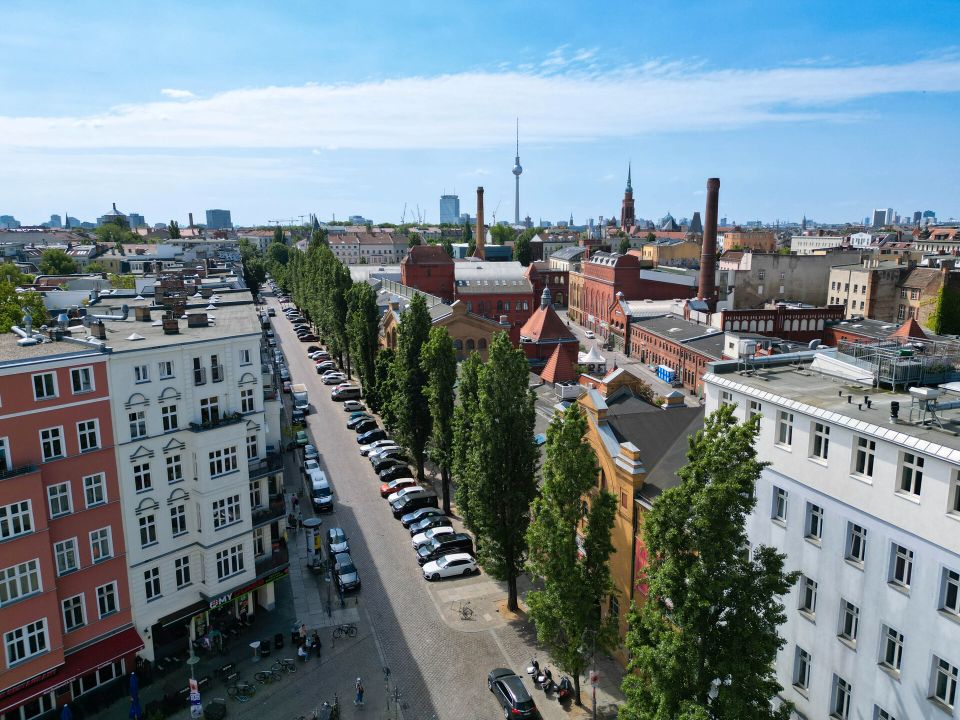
(17, 471)
(272, 463)
(263, 515)
(200, 376)
(216, 373)
(270, 562)
(216, 422)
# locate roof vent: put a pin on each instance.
(197, 320)
(142, 313)
(134, 336)
(98, 330)
(171, 326)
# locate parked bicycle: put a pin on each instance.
(345, 630)
(267, 676)
(464, 610)
(242, 691)
(284, 665)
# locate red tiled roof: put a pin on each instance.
(910, 329)
(545, 325)
(561, 367)
(428, 254)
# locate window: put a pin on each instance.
(141, 374)
(891, 648)
(903, 292)
(755, 409)
(840, 698)
(229, 562)
(181, 568)
(58, 499)
(15, 519)
(856, 543)
(178, 519)
(223, 461)
(258, 544)
(954, 503)
(51, 443)
(849, 626)
(166, 369)
(950, 592)
(95, 489)
(216, 369)
(808, 595)
(944, 681)
(148, 530)
(18, 581)
(209, 410)
(779, 511)
(801, 669)
(901, 311)
(245, 357)
(138, 424)
(101, 545)
(914, 293)
(107, 599)
(820, 443)
(168, 414)
(44, 386)
(226, 511)
(73, 613)
(726, 398)
(81, 380)
(151, 583)
(174, 469)
(253, 447)
(88, 435)
(26, 641)
(65, 553)
(813, 529)
(246, 401)
(901, 566)
(863, 457)
(880, 714)
(142, 480)
(784, 428)
(911, 473)
(761, 274)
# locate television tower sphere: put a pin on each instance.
(517, 170)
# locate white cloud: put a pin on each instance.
(177, 94)
(476, 109)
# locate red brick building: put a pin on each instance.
(429, 269)
(800, 324)
(495, 290)
(683, 346)
(65, 605)
(541, 276)
(543, 332)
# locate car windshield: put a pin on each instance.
(345, 564)
(444, 561)
(322, 491)
(336, 536)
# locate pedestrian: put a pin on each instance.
(300, 519)
(303, 633)
(359, 698)
(296, 503)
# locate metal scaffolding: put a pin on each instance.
(902, 362)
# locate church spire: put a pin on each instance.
(629, 180)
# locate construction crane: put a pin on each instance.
(419, 217)
(403, 217)
(495, 212)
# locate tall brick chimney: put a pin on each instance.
(708, 258)
(481, 235)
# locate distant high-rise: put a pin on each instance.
(56, 222)
(449, 209)
(890, 216)
(916, 217)
(627, 216)
(136, 220)
(879, 218)
(219, 220)
(517, 169)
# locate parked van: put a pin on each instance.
(444, 545)
(321, 494)
(346, 393)
(414, 501)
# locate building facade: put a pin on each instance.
(498, 291)
(429, 269)
(542, 274)
(65, 606)
(219, 220)
(450, 210)
(864, 503)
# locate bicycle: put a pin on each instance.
(284, 665)
(345, 630)
(267, 676)
(242, 691)
(464, 610)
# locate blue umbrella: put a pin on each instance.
(66, 713)
(136, 711)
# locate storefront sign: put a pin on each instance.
(259, 582)
(6, 692)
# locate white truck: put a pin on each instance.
(301, 400)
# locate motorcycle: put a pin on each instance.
(534, 669)
(544, 681)
(564, 689)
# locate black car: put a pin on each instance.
(429, 523)
(418, 515)
(354, 421)
(337, 541)
(365, 426)
(414, 501)
(444, 545)
(509, 690)
(388, 462)
(368, 437)
(397, 471)
(296, 417)
(346, 574)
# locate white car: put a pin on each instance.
(450, 566)
(310, 465)
(425, 537)
(383, 453)
(393, 497)
(353, 406)
(375, 446)
(334, 379)
(589, 335)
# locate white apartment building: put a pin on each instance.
(201, 496)
(809, 244)
(868, 510)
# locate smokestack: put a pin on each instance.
(481, 235)
(190, 215)
(708, 258)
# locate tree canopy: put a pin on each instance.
(522, 247)
(410, 408)
(502, 234)
(173, 227)
(13, 304)
(112, 234)
(363, 332)
(254, 267)
(624, 246)
(55, 261)
(438, 360)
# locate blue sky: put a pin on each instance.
(275, 110)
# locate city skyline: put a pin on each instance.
(799, 111)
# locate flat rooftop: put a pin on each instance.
(825, 395)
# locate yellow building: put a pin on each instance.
(669, 251)
(469, 332)
(639, 447)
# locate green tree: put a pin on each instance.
(279, 236)
(566, 611)
(438, 359)
(464, 413)
(467, 237)
(447, 245)
(173, 227)
(382, 400)
(624, 246)
(363, 331)
(254, 268)
(113, 234)
(410, 407)
(502, 463)
(521, 246)
(14, 304)
(414, 239)
(123, 282)
(56, 262)
(278, 253)
(95, 267)
(651, 237)
(704, 642)
(502, 234)
(11, 273)
(319, 235)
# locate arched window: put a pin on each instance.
(482, 344)
(470, 345)
(458, 346)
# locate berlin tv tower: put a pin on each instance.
(517, 169)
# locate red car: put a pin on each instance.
(286, 386)
(394, 485)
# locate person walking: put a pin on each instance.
(359, 698)
(296, 504)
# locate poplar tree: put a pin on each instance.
(463, 417)
(438, 359)
(409, 406)
(566, 611)
(704, 642)
(363, 332)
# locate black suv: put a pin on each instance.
(444, 545)
(511, 693)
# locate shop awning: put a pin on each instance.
(75, 665)
(183, 614)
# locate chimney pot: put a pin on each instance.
(98, 330)
(142, 313)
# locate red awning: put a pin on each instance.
(77, 664)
